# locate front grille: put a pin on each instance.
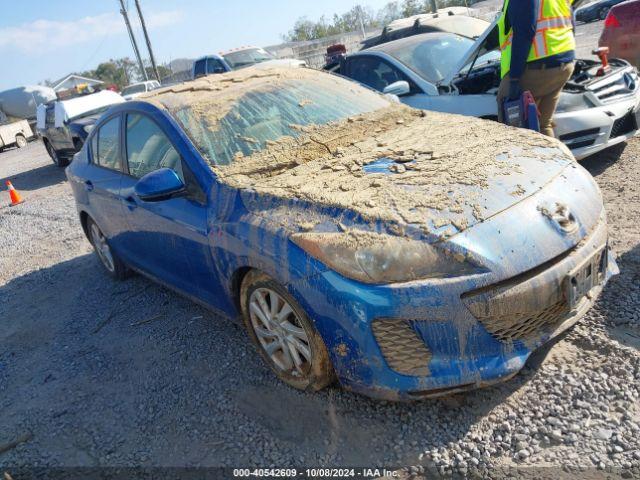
(525, 325)
(624, 125)
(624, 85)
(579, 133)
(401, 346)
(523, 307)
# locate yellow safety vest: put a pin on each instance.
(554, 32)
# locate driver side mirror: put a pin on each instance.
(158, 185)
(398, 88)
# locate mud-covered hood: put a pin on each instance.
(438, 173)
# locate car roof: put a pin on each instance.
(140, 83)
(241, 49)
(631, 5)
(428, 18)
(464, 25)
(228, 84)
(213, 55)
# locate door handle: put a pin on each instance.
(130, 202)
(88, 185)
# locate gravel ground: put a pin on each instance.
(103, 373)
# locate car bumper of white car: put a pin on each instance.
(591, 130)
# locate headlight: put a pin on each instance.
(87, 128)
(375, 258)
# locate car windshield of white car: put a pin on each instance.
(432, 55)
(244, 58)
(266, 113)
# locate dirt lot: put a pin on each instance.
(100, 373)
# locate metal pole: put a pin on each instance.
(434, 6)
(123, 11)
(146, 37)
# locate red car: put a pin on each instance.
(621, 32)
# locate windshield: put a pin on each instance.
(244, 58)
(139, 88)
(269, 112)
(432, 56)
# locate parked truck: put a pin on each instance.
(14, 133)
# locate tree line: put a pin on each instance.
(120, 72)
(359, 16)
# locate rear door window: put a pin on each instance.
(106, 145)
(199, 68)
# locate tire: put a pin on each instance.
(58, 160)
(109, 260)
(294, 331)
(77, 144)
(21, 141)
(603, 13)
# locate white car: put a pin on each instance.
(247, 56)
(449, 72)
(136, 89)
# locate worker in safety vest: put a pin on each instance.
(538, 53)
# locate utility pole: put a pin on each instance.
(360, 15)
(123, 11)
(146, 37)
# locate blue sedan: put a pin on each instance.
(403, 253)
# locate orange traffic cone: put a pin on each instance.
(16, 199)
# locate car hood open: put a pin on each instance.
(436, 173)
(488, 41)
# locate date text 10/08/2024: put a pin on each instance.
(366, 473)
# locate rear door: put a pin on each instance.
(166, 238)
(103, 181)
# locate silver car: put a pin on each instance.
(449, 72)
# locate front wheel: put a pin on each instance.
(284, 335)
(55, 156)
(110, 261)
(603, 13)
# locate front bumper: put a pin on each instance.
(592, 130)
(461, 354)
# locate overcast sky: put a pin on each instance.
(47, 39)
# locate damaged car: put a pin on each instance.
(405, 253)
(450, 72)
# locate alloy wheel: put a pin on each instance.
(102, 248)
(280, 332)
